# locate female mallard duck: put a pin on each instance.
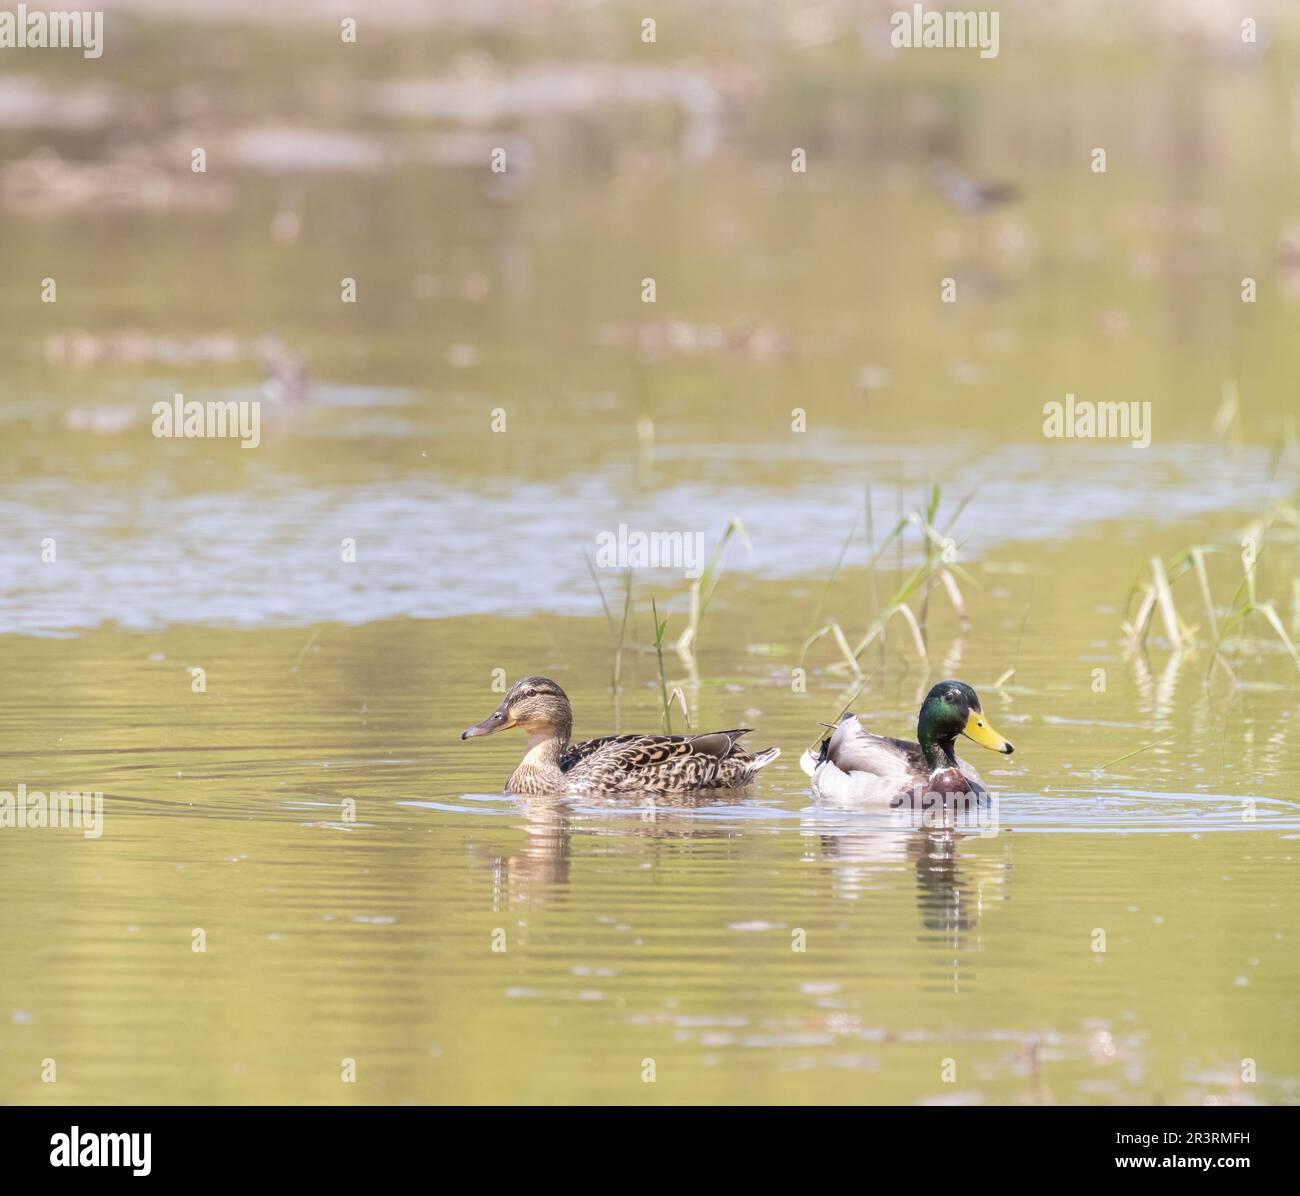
(854, 767)
(617, 763)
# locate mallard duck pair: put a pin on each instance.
(851, 765)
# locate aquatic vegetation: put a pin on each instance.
(1137, 751)
(700, 594)
(938, 567)
(1226, 425)
(702, 588)
(619, 632)
(660, 628)
(1227, 635)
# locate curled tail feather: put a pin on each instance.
(811, 759)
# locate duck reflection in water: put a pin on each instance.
(539, 869)
(952, 884)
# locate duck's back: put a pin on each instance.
(869, 769)
(662, 763)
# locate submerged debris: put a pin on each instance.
(756, 340)
(46, 186)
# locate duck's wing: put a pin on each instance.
(661, 763)
(577, 752)
(853, 765)
(738, 766)
(852, 748)
(968, 771)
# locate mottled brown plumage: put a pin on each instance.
(614, 763)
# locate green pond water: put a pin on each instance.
(369, 899)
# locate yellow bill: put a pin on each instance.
(981, 731)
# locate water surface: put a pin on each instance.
(365, 890)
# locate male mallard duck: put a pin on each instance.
(617, 763)
(852, 766)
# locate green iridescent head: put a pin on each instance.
(950, 709)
